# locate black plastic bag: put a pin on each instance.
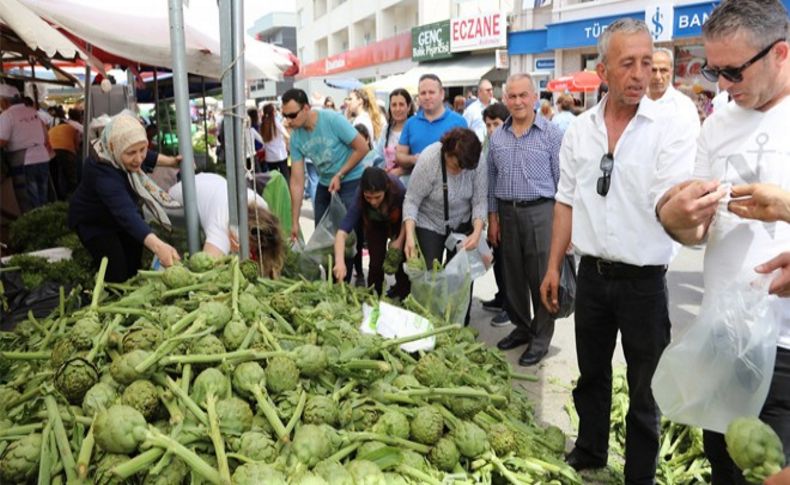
(567, 290)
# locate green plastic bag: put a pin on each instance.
(278, 198)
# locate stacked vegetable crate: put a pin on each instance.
(207, 374)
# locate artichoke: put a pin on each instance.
(445, 455)
(466, 407)
(755, 448)
(143, 396)
(257, 446)
(313, 443)
(257, 473)
(103, 474)
(392, 260)
(208, 345)
(217, 314)
(19, 463)
(169, 315)
(7, 395)
(234, 333)
(406, 381)
(391, 478)
(427, 425)
(143, 337)
(98, 397)
(369, 447)
(502, 439)
(173, 473)
(393, 423)
(414, 460)
(554, 439)
(210, 381)
(235, 415)
(249, 306)
(246, 376)
(431, 371)
(470, 439)
(334, 473)
(320, 410)
(282, 374)
(282, 304)
(119, 429)
(366, 473)
(311, 359)
(249, 270)
(200, 262)
(63, 350)
(308, 478)
(74, 378)
(83, 332)
(122, 369)
(177, 276)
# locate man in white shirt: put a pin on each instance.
(616, 160)
(662, 91)
(746, 142)
(473, 114)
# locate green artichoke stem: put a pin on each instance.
(297, 415)
(167, 346)
(13, 355)
(235, 356)
(137, 464)
(124, 311)
(183, 322)
(216, 437)
(524, 377)
(100, 342)
(186, 377)
(186, 289)
(149, 273)
(412, 338)
(270, 413)
(193, 461)
(452, 392)
(62, 440)
(267, 335)
(234, 294)
(365, 364)
(45, 460)
(390, 440)
(283, 323)
(509, 475)
(183, 397)
(344, 452)
(99, 287)
(84, 456)
(416, 474)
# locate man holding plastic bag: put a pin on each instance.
(745, 143)
(334, 146)
(616, 160)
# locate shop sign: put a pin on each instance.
(689, 19)
(582, 33)
(387, 50)
(659, 18)
(431, 41)
(544, 64)
(480, 32)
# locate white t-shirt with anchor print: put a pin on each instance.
(740, 146)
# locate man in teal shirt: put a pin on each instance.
(333, 145)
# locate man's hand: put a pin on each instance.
(167, 254)
(294, 232)
(234, 241)
(550, 291)
(340, 270)
(763, 202)
(493, 230)
(690, 204)
(780, 285)
(334, 185)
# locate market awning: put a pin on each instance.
(142, 35)
(466, 71)
(578, 82)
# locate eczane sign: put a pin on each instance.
(486, 31)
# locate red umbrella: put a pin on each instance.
(578, 82)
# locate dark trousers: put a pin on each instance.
(432, 247)
(637, 308)
(63, 171)
(124, 254)
(525, 243)
(281, 166)
(347, 193)
(499, 277)
(775, 413)
(377, 235)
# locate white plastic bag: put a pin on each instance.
(321, 245)
(480, 261)
(721, 367)
(446, 292)
(392, 322)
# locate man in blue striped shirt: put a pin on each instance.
(523, 172)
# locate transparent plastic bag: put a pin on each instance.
(444, 292)
(322, 243)
(480, 261)
(721, 367)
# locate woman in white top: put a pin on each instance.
(401, 109)
(275, 142)
(365, 111)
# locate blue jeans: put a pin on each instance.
(311, 182)
(37, 179)
(322, 197)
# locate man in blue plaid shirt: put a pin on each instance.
(523, 171)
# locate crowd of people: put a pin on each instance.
(621, 185)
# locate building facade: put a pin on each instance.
(278, 28)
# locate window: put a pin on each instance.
(589, 61)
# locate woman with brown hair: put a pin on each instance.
(275, 142)
(400, 110)
(365, 111)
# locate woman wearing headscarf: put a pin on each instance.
(105, 208)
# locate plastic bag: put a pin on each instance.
(721, 367)
(445, 292)
(480, 261)
(567, 290)
(392, 322)
(322, 242)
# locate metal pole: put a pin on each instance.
(181, 91)
(205, 115)
(86, 113)
(159, 143)
(238, 101)
(131, 94)
(226, 52)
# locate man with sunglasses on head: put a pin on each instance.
(333, 145)
(616, 160)
(745, 142)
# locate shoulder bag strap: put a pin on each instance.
(446, 198)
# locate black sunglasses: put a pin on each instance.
(291, 116)
(734, 74)
(604, 181)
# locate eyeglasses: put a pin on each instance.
(291, 116)
(604, 181)
(734, 74)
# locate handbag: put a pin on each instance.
(465, 228)
(567, 289)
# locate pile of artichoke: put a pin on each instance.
(205, 373)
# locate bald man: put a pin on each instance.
(474, 112)
(661, 90)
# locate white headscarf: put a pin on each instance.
(120, 133)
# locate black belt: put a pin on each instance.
(616, 270)
(525, 203)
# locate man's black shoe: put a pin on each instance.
(532, 357)
(493, 305)
(516, 338)
(579, 461)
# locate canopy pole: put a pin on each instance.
(86, 113)
(181, 91)
(239, 101)
(228, 119)
(205, 114)
(158, 111)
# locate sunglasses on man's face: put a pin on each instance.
(605, 180)
(734, 74)
(291, 116)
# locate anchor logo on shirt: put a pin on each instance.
(751, 175)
